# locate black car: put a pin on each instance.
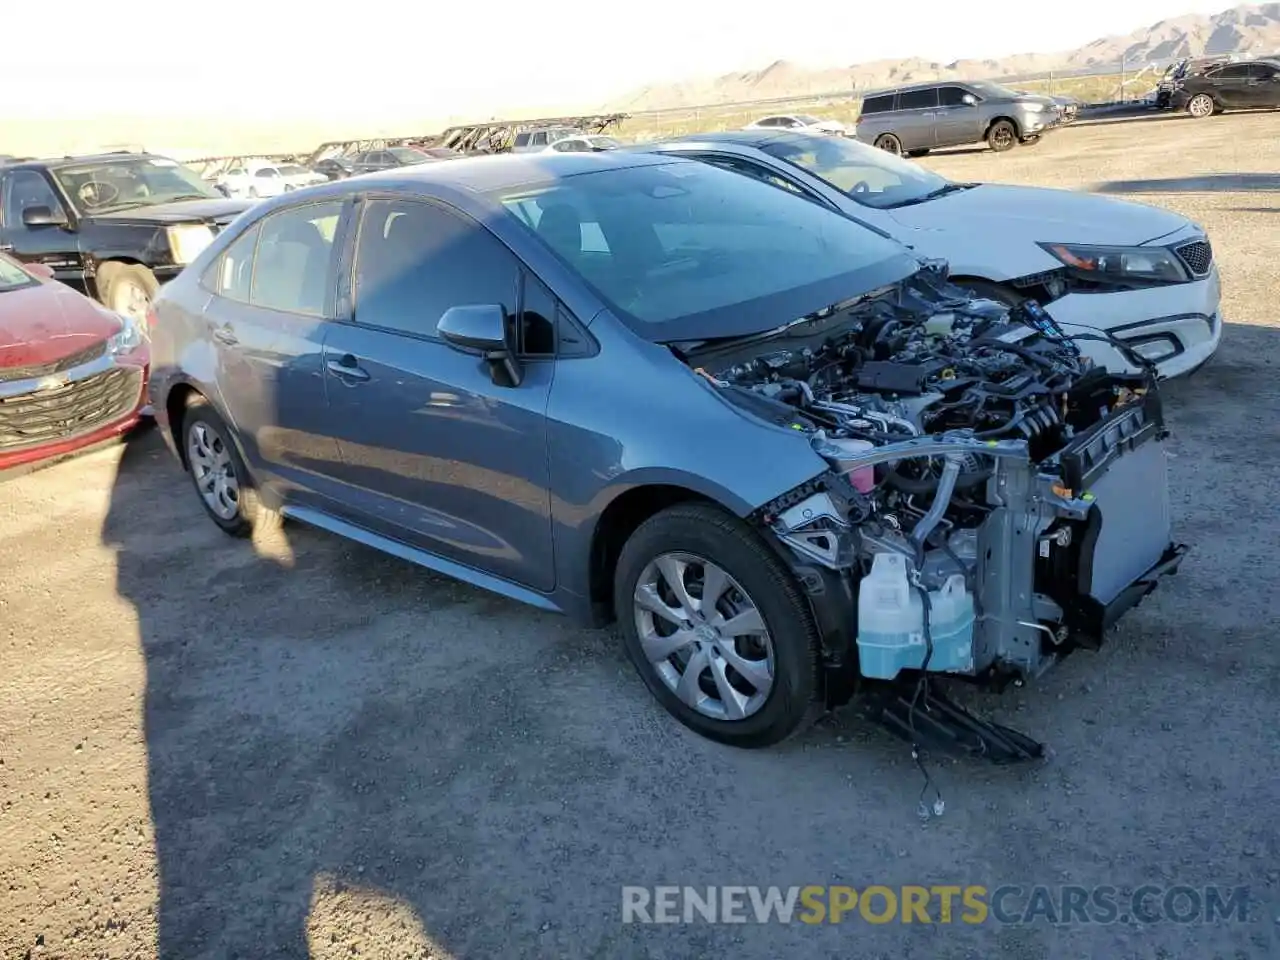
(1245, 84)
(115, 226)
(335, 168)
(371, 161)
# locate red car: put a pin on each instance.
(72, 373)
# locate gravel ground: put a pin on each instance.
(298, 747)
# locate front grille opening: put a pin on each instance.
(71, 410)
(1197, 255)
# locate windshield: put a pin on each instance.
(807, 118)
(407, 155)
(292, 170)
(12, 276)
(106, 185)
(688, 251)
(604, 143)
(988, 89)
(872, 177)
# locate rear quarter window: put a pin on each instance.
(879, 104)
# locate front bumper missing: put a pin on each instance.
(1093, 620)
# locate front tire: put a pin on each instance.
(1201, 106)
(219, 476)
(743, 671)
(1002, 136)
(127, 288)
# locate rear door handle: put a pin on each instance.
(347, 367)
(225, 334)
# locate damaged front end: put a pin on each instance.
(994, 500)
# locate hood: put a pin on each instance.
(1039, 214)
(180, 211)
(1036, 98)
(44, 323)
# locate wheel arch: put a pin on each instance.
(108, 263)
(1017, 127)
(618, 521)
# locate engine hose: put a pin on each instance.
(964, 481)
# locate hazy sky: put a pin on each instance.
(375, 57)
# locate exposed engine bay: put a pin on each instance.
(993, 500)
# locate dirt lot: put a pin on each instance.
(298, 747)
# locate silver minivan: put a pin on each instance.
(915, 119)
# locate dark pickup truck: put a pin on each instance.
(114, 226)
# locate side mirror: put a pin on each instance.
(482, 329)
(41, 270)
(42, 216)
(969, 100)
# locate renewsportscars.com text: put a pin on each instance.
(939, 903)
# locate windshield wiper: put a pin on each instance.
(942, 191)
(189, 196)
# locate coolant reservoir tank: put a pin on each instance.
(841, 452)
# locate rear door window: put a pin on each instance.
(918, 99)
(293, 263)
(232, 273)
(879, 104)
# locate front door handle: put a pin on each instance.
(347, 368)
(225, 334)
(6, 248)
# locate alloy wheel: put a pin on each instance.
(890, 145)
(1201, 105)
(213, 470)
(704, 636)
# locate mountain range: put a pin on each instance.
(1247, 29)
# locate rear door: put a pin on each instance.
(917, 118)
(272, 294)
(434, 452)
(957, 122)
(1229, 84)
(56, 247)
(1263, 86)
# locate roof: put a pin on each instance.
(747, 138)
(503, 171)
(86, 158)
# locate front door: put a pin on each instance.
(272, 292)
(57, 247)
(434, 453)
(1263, 87)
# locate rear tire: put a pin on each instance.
(221, 481)
(754, 654)
(889, 144)
(1002, 136)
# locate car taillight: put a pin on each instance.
(151, 320)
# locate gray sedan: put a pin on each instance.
(647, 389)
